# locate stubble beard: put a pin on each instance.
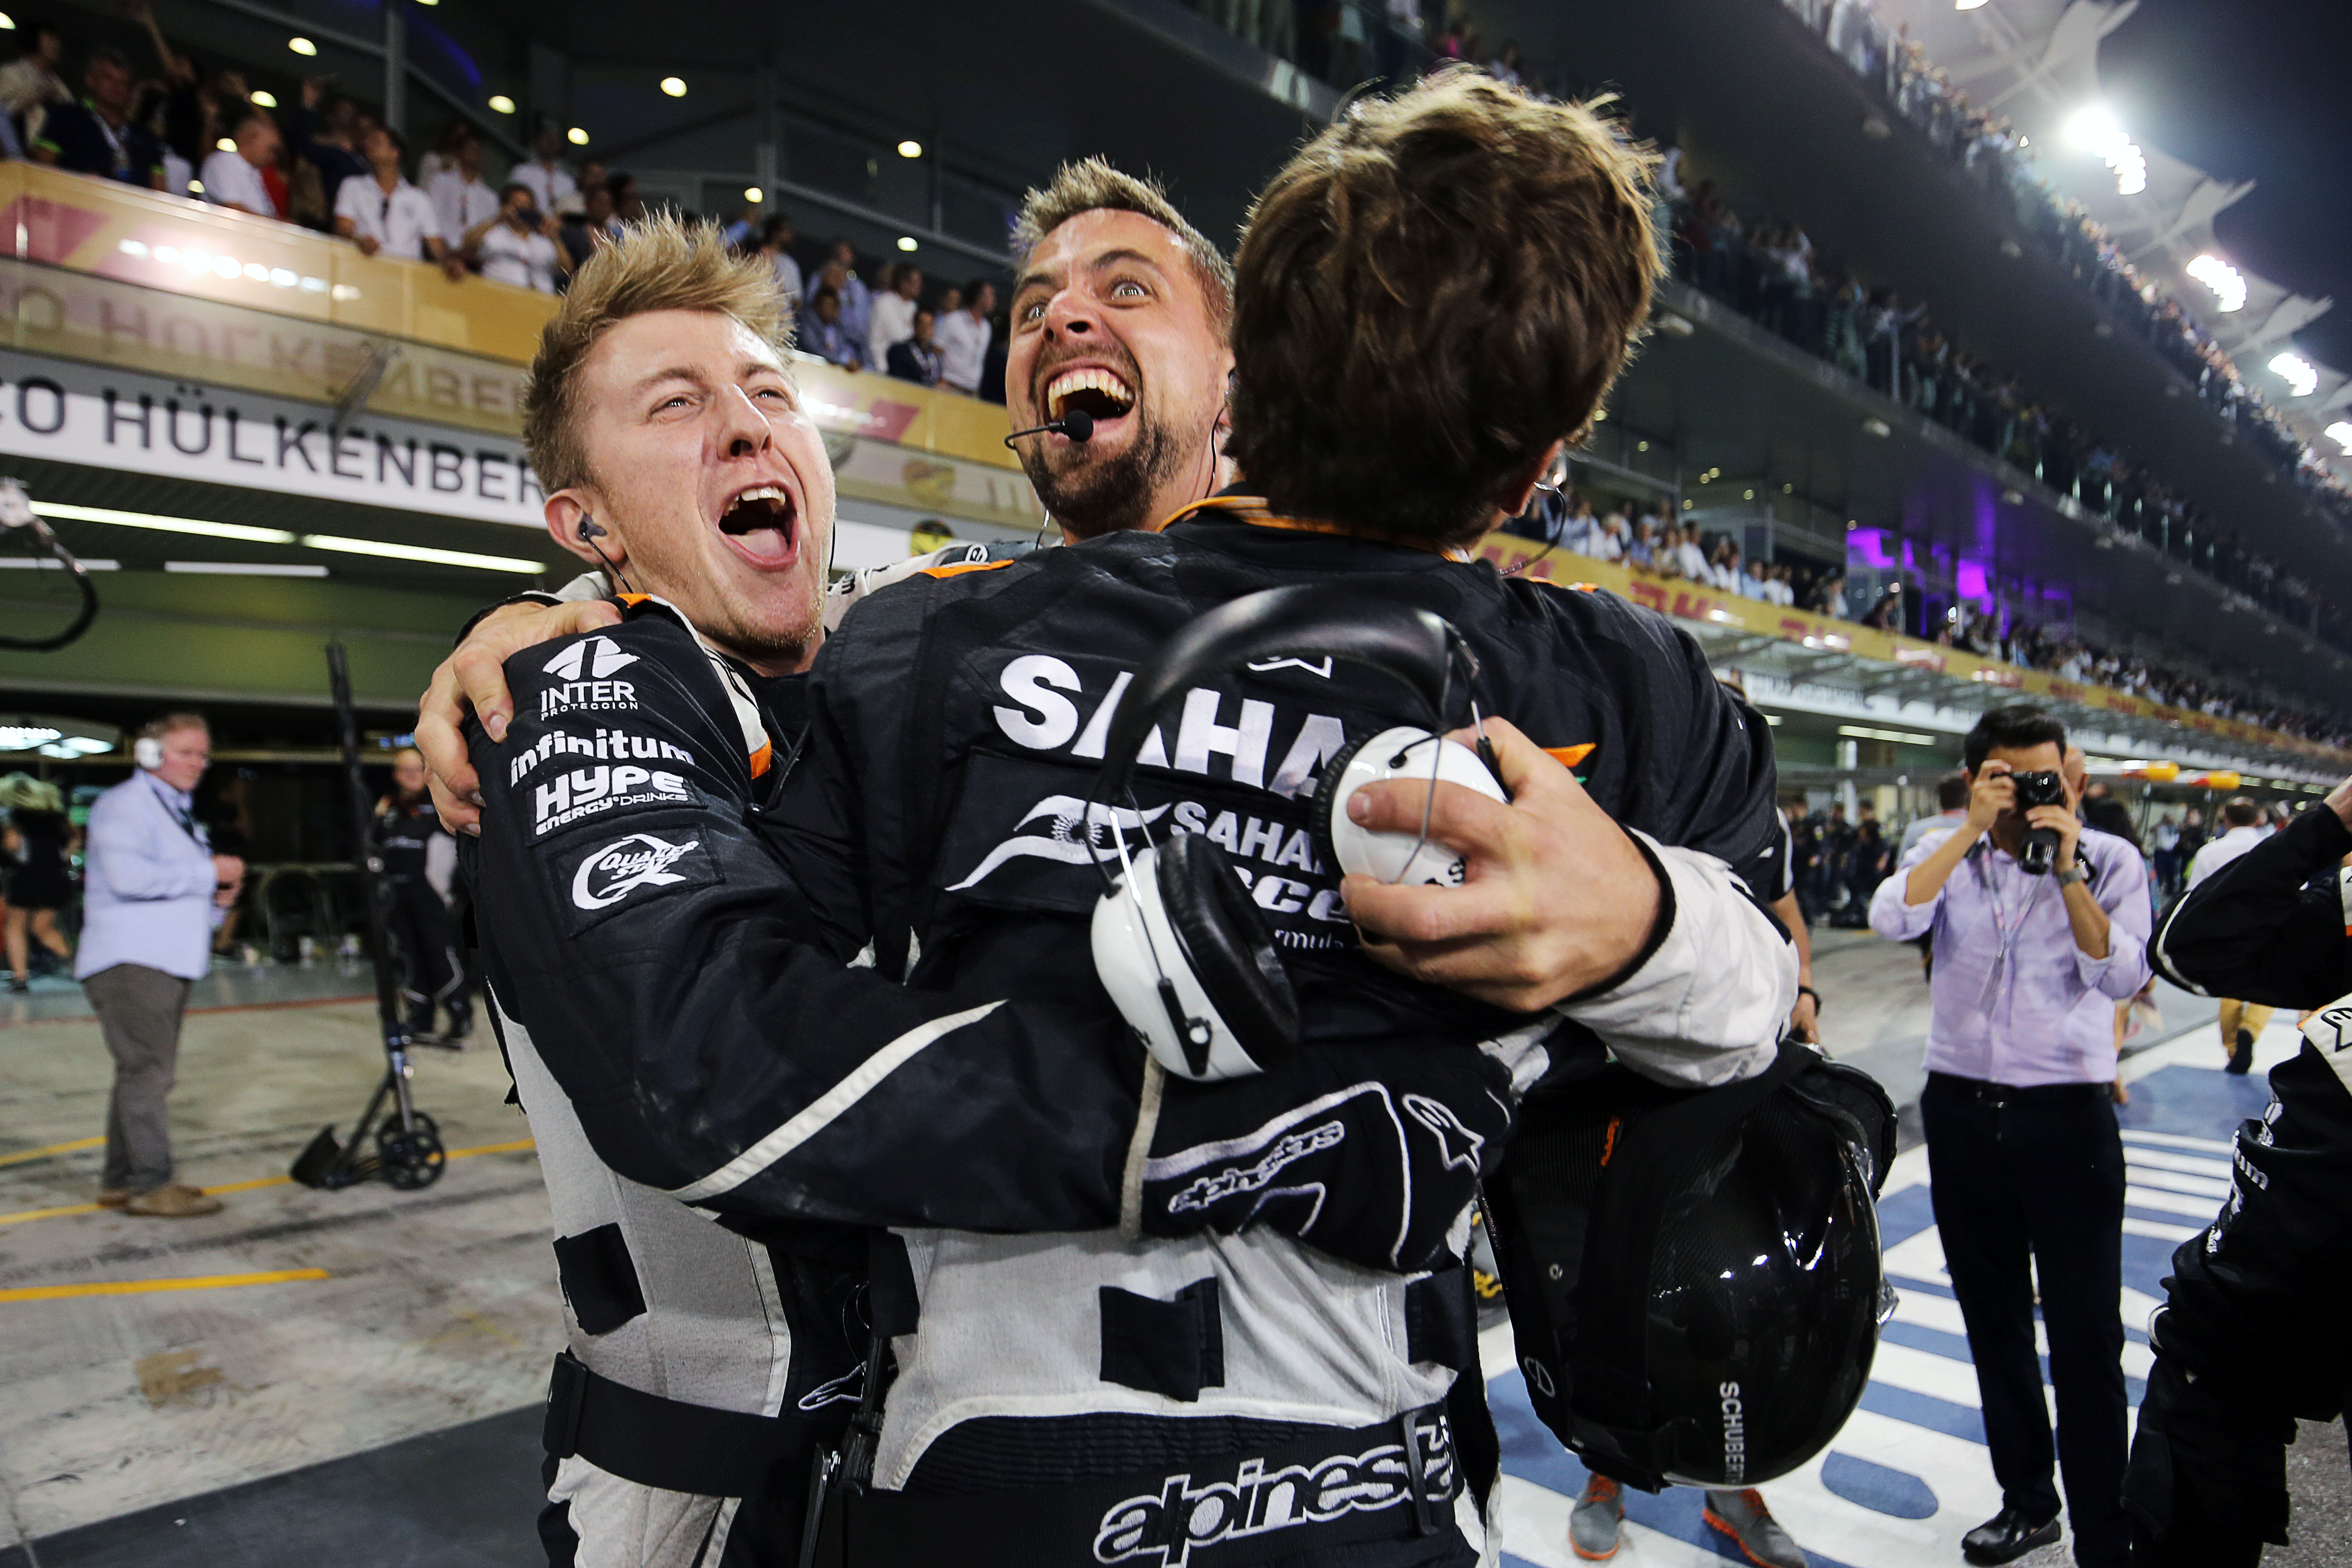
(1090, 498)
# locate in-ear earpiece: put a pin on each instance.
(590, 529)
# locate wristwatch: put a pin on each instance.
(2072, 874)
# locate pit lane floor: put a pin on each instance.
(385, 1413)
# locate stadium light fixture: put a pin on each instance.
(64, 512)
(674, 86)
(420, 553)
(2229, 285)
(7, 22)
(754, 194)
(501, 104)
(224, 145)
(244, 569)
(2095, 129)
(302, 46)
(2341, 434)
(261, 98)
(911, 149)
(577, 136)
(906, 242)
(2301, 375)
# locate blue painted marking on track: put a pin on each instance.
(2194, 1102)
(1904, 1214)
(1961, 1421)
(1531, 1453)
(1954, 1347)
(1881, 1489)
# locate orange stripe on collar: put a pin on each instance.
(1252, 510)
(961, 567)
(1568, 756)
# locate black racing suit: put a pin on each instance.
(681, 1044)
(1118, 1399)
(2251, 1335)
(432, 975)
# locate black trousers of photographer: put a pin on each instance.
(2027, 1183)
(427, 941)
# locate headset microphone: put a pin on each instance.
(589, 532)
(1078, 425)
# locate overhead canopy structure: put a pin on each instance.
(2037, 63)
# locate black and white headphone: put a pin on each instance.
(1186, 955)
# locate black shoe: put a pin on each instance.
(2007, 1536)
(2242, 1057)
(18, 984)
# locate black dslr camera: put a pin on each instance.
(2047, 787)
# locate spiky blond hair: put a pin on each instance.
(664, 263)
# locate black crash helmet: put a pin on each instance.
(1706, 1271)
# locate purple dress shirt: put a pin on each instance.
(2033, 1009)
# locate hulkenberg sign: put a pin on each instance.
(71, 412)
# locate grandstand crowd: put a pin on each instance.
(329, 163)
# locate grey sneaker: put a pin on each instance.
(1743, 1516)
(1594, 1524)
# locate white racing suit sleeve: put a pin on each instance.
(1705, 1004)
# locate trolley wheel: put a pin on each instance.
(409, 1161)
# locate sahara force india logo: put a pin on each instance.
(1183, 1519)
(620, 867)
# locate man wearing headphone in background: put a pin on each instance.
(152, 891)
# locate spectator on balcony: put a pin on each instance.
(329, 140)
(1690, 559)
(592, 178)
(385, 215)
(627, 205)
(856, 298)
(442, 155)
(821, 332)
(1642, 549)
(916, 357)
(964, 337)
(893, 314)
(776, 244)
(550, 183)
(232, 175)
(29, 84)
(97, 136)
(462, 200)
(1611, 536)
(592, 226)
(518, 244)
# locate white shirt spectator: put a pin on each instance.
(1608, 540)
(1690, 561)
(550, 187)
(458, 203)
(788, 278)
(525, 260)
(893, 323)
(399, 221)
(963, 349)
(2219, 852)
(230, 180)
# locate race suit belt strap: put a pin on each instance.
(1392, 1481)
(669, 1444)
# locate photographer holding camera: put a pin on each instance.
(2040, 926)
